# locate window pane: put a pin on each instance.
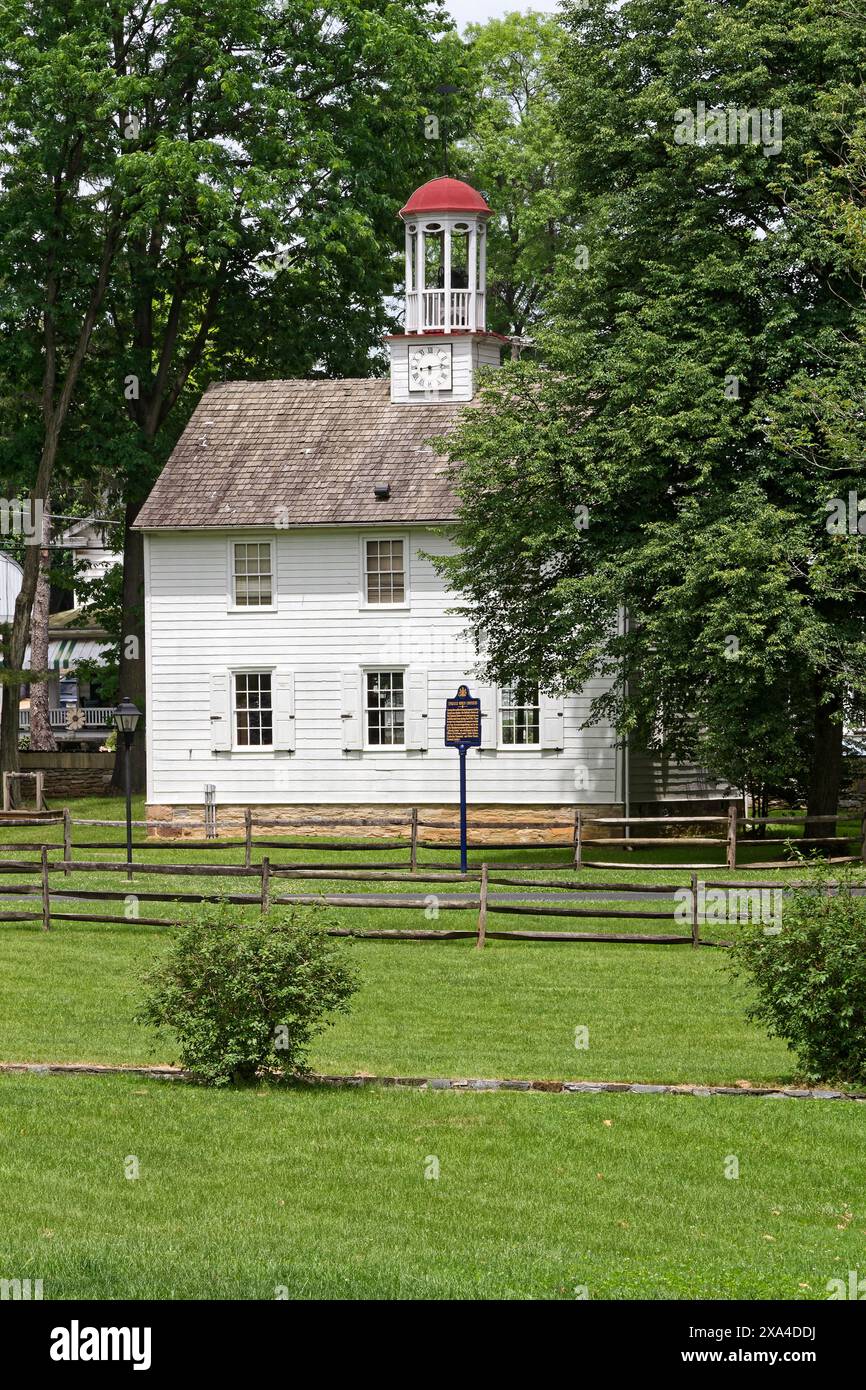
(252, 574)
(386, 578)
(253, 713)
(519, 713)
(384, 708)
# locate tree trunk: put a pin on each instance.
(20, 630)
(131, 681)
(41, 737)
(54, 412)
(825, 778)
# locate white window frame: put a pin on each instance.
(233, 605)
(258, 749)
(501, 707)
(365, 725)
(405, 603)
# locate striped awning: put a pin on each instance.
(69, 652)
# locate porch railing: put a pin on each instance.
(99, 717)
(427, 310)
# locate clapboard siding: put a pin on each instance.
(468, 354)
(317, 629)
(653, 778)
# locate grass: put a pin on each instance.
(323, 1193)
(654, 1013)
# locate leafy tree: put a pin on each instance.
(61, 221)
(514, 153)
(234, 168)
(651, 467)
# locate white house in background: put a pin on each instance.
(299, 643)
(10, 586)
(87, 539)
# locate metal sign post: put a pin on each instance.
(463, 731)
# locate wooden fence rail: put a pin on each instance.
(576, 825)
(266, 897)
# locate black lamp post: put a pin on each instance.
(126, 717)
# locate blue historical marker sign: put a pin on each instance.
(462, 731)
(462, 720)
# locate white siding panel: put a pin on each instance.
(284, 711)
(351, 712)
(322, 636)
(416, 710)
(551, 717)
(220, 712)
(489, 714)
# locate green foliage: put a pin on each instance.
(514, 154)
(809, 978)
(243, 999)
(701, 398)
(101, 603)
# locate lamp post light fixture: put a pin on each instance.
(126, 717)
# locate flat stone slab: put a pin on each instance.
(444, 1083)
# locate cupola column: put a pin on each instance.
(446, 277)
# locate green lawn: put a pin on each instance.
(323, 1193)
(654, 1013)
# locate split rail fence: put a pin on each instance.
(492, 873)
(575, 838)
(268, 877)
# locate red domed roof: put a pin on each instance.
(444, 195)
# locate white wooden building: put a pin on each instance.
(300, 647)
(10, 587)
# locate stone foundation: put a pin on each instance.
(438, 824)
(70, 775)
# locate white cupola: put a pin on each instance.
(445, 337)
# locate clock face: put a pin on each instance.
(430, 368)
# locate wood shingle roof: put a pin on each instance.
(303, 453)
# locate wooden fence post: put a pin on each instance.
(67, 840)
(413, 851)
(266, 883)
(863, 847)
(732, 836)
(7, 791)
(248, 838)
(40, 792)
(696, 930)
(482, 909)
(46, 892)
(578, 839)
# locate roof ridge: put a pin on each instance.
(301, 381)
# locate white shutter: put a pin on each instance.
(489, 714)
(284, 711)
(220, 712)
(551, 716)
(416, 710)
(353, 733)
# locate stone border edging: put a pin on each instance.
(429, 1083)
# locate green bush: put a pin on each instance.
(246, 999)
(808, 976)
